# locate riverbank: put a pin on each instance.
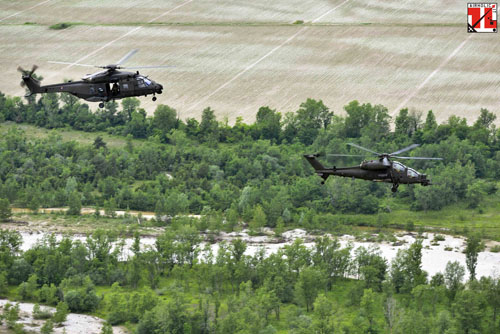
(74, 324)
(438, 249)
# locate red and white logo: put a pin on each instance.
(482, 17)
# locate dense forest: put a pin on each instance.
(240, 171)
(179, 286)
(241, 174)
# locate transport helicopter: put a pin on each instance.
(382, 169)
(103, 86)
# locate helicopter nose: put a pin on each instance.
(159, 88)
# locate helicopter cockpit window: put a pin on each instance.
(398, 167)
(412, 173)
(147, 81)
(140, 83)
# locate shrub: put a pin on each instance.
(39, 313)
(60, 26)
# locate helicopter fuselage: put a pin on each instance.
(103, 88)
(381, 170)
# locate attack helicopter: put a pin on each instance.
(103, 86)
(382, 169)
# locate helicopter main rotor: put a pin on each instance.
(384, 156)
(111, 67)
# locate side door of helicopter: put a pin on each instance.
(127, 88)
(398, 172)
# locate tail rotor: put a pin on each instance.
(28, 80)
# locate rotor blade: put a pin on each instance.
(127, 56)
(412, 146)
(20, 69)
(345, 155)
(139, 67)
(363, 148)
(76, 64)
(416, 158)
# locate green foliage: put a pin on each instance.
(308, 285)
(453, 276)
(60, 26)
(474, 246)
(107, 329)
(75, 204)
(406, 271)
(48, 327)
(469, 308)
(5, 210)
(39, 313)
(62, 311)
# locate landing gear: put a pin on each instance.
(101, 105)
(395, 187)
(154, 98)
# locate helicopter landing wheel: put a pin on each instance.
(154, 98)
(101, 105)
(394, 188)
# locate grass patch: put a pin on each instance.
(60, 26)
(33, 133)
(495, 249)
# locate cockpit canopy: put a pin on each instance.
(400, 168)
(143, 82)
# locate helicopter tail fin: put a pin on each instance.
(318, 167)
(28, 80)
(314, 162)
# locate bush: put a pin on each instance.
(39, 313)
(60, 26)
(81, 300)
(495, 249)
(438, 237)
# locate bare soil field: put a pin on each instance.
(236, 56)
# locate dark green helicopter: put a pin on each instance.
(378, 170)
(109, 84)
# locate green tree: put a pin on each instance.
(164, 120)
(453, 276)
(406, 270)
(324, 321)
(110, 208)
(62, 311)
(268, 124)
(48, 327)
(310, 118)
(5, 210)
(472, 250)
(469, 310)
(99, 143)
(259, 218)
(368, 312)
(209, 127)
(130, 105)
(75, 204)
(309, 283)
(4, 285)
